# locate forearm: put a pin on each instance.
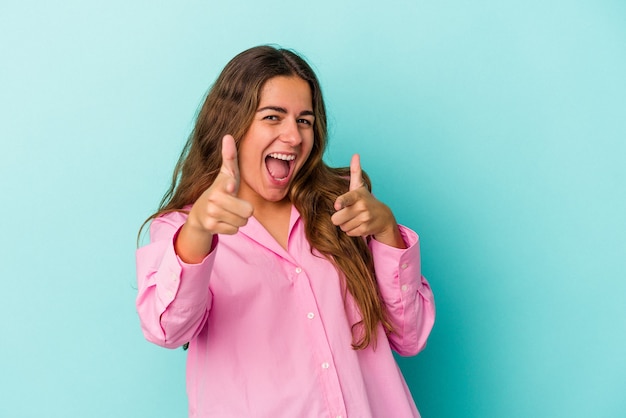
(173, 298)
(193, 245)
(405, 292)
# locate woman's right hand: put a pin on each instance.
(217, 211)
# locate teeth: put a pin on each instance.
(283, 157)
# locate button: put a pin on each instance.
(325, 365)
(404, 266)
(298, 270)
(310, 315)
(404, 288)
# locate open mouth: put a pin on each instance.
(279, 165)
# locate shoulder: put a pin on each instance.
(166, 225)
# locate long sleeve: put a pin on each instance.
(406, 293)
(173, 299)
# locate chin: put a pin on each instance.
(276, 197)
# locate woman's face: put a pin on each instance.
(278, 142)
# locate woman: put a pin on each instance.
(288, 279)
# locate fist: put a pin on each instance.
(218, 210)
(360, 214)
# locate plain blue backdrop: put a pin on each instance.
(495, 129)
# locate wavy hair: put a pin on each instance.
(229, 108)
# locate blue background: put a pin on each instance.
(495, 129)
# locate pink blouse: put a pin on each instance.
(269, 330)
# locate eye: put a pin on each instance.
(305, 121)
(270, 117)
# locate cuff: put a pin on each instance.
(186, 283)
(398, 269)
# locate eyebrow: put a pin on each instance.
(283, 110)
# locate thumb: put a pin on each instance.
(356, 176)
(230, 165)
(356, 182)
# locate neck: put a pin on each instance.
(274, 216)
(264, 209)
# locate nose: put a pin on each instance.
(290, 133)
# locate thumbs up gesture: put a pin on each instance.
(217, 211)
(359, 213)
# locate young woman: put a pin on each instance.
(288, 279)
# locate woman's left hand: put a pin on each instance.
(359, 214)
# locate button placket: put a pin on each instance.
(320, 347)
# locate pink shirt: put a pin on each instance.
(269, 330)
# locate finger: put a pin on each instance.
(220, 202)
(230, 165)
(345, 200)
(349, 219)
(352, 227)
(240, 208)
(359, 231)
(340, 218)
(226, 213)
(227, 221)
(356, 175)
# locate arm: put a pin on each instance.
(173, 299)
(173, 271)
(405, 292)
(395, 250)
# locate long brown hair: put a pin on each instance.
(228, 109)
